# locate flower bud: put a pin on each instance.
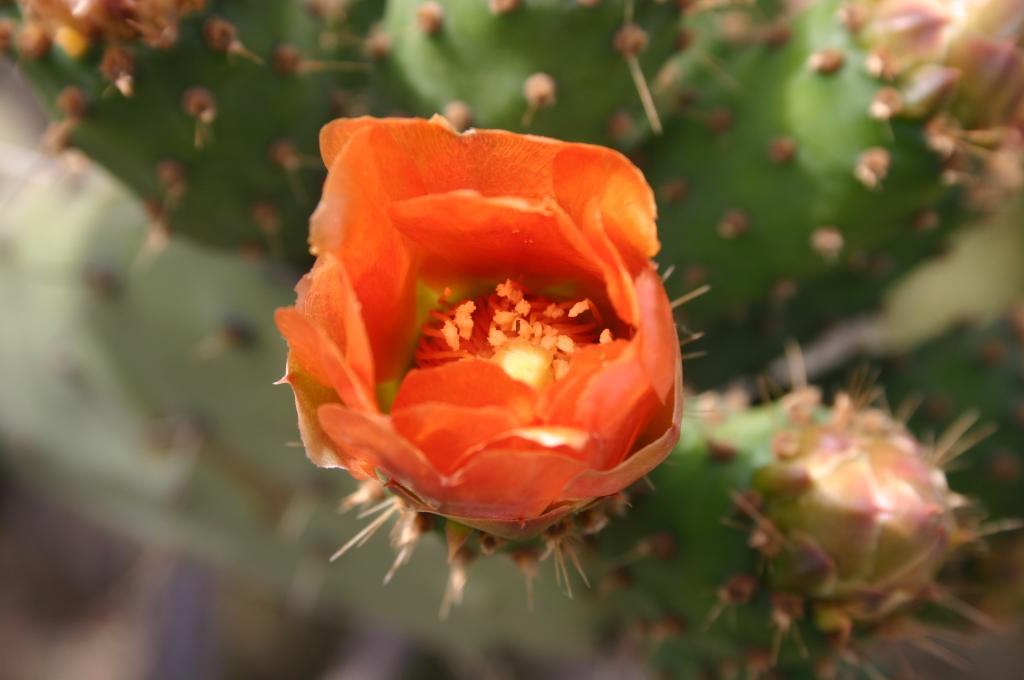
(866, 515)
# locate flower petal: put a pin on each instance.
(586, 362)
(550, 437)
(510, 484)
(612, 399)
(617, 406)
(501, 163)
(501, 484)
(313, 351)
(625, 200)
(445, 433)
(371, 439)
(613, 389)
(326, 298)
(620, 401)
(493, 162)
(471, 383)
(525, 239)
(598, 483)
(657, 337)
(334, 136)
(565, 441)
(617, 277)
(310, 395)
(352, 222)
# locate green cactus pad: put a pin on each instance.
(482, 55)
(786, 184)
(222, 145)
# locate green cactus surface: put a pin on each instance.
(786, 184)
(217, 130)
(562, 69)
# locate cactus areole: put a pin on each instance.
(483, 327)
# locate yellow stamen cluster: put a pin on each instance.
(532, 338)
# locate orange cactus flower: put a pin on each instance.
(483, 327)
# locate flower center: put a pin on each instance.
(532, 338)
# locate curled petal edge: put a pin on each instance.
(422, 486)
(597, 483)
(371, 439)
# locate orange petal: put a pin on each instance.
(625, 200)
(570, 442)
(559, 399)
(619, 401)
(310, 395)
(618, 280)
(617, 423)
(493, 162)
(313, 351)
(471, 383)
(445, 432)
(465, 234)
(335, 135)
(613, 389)
(352, 222)
(326, 298)
(497, 484)
(507, 164)
(569, 439)
(371, 439)
(656, 336)
(564, 401)
(509, 484)
(500, 163)
(598, 483)
(616, 404)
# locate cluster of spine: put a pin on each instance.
(802, 169)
